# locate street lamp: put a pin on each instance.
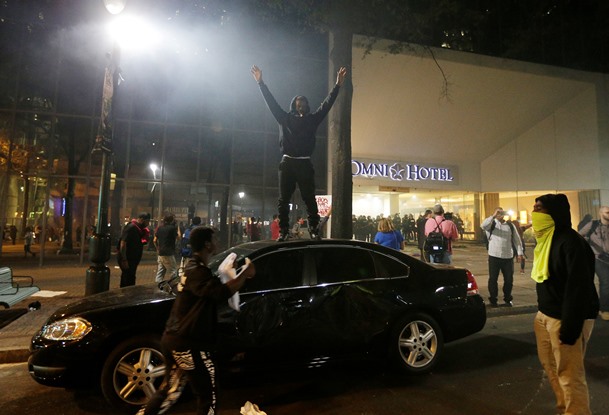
(154, 169)
(98, 275)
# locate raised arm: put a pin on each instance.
(276, 110)
(257, 74)
(340, 76)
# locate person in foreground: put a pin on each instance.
(190, 333)
(563, 269)
(297, 130)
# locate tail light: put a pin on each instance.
(472, 285)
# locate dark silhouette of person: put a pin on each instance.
(297, 129)
(131, 248)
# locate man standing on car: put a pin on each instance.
(191, 329)
(297, 130)
(567, 301)
(131, 248)
(502, 239)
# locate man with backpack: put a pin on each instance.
(596, 232)
(439, 234)
(502, 238)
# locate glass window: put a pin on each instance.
(248, 159)
(390, 268)
(282, 269)
(181, 154)
(145, 150)
(215, 156)
(336, 265)
(72, 146)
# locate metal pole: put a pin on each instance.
(98, 274)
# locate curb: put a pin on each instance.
(14, 356)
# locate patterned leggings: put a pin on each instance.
(189, 366)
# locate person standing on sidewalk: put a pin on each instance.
(596, 232)
(448, 229)
(165, 240)
(502, 239)
(27, 242)
(563, 269)
(131, 248)
(297, 130)
(421, 221)
(191, 330)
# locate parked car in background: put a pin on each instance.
(309, 300)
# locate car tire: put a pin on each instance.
(416, 343)
(133, 372)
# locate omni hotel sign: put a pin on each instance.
(402, 171)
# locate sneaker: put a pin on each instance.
(604, 315)
(283, 237)
(508, 304)
(314, 232)
(492, 302)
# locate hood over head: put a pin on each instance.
(558, 207)
(293, 108)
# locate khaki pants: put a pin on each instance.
(564, 364)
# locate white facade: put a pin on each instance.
(505, 126)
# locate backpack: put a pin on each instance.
(436, 242)
(595, 224)
(512, 229)
(185, 248)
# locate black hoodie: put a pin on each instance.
(297, 133)
(569, 293)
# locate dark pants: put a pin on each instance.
(602, 272)
(506, 266)
(128, 275)
(294, 172)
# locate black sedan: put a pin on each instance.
(309, 301)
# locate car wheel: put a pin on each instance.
(133, 372)
(416, 343)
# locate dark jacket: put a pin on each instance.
(569, 293)
(201, 294)
(296, 133)
(166, 236)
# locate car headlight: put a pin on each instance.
(67, 329)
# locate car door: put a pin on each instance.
(274, 316)
(350, 306)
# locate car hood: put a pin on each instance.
(118, 298)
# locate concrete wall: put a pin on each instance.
(559, 153)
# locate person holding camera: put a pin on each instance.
(503, 240)
(596, 232)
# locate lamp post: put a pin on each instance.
(98, 275)
(154, 169)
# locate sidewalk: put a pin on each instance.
(63, 274)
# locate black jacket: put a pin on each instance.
(194, 316)
(296, 133)
(569, 294)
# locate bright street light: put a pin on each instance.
(115, 6)
(154, 169)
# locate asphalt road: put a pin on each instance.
(494, 372)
